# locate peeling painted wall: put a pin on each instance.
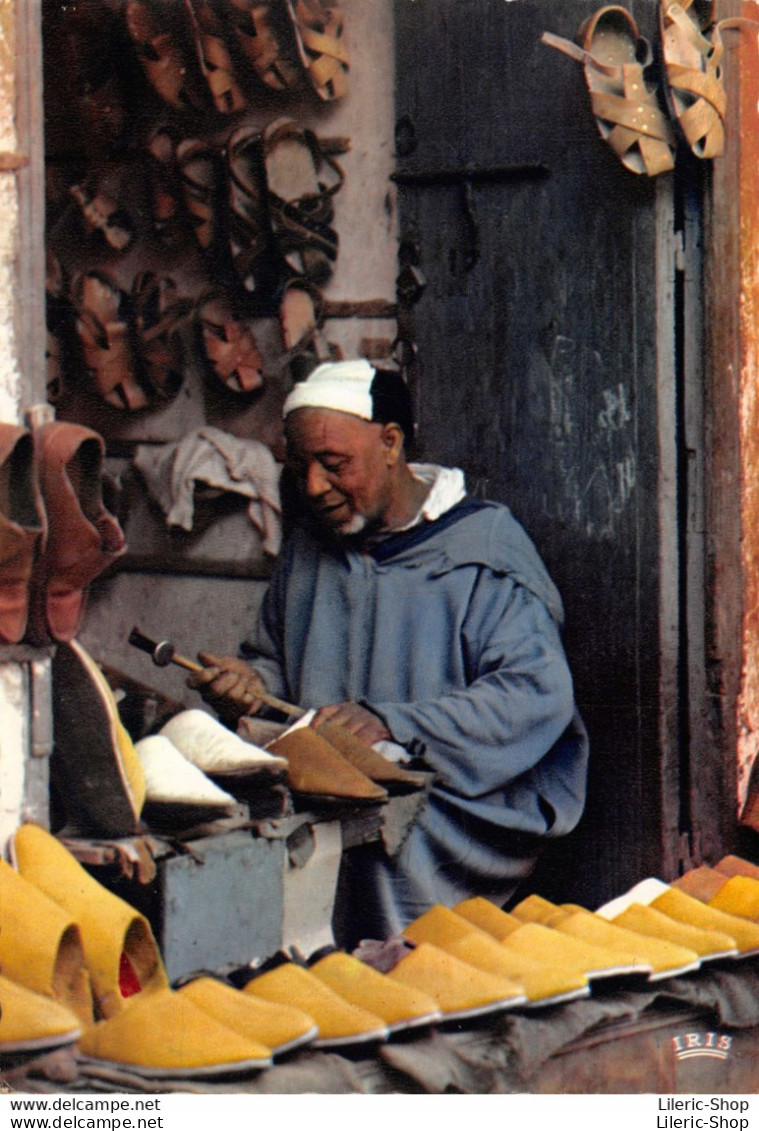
(14, 697)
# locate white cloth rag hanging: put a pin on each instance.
(216, 459)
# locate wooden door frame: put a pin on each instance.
(732, 450)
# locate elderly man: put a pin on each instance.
(410, 612)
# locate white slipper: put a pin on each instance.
(171, 779)
(215, 750)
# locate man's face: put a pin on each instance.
(341, 465)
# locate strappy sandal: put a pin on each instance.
(301, 315)
(692, 48)
(318, 28)
(163, 187)
(105, 337)
(213, 55)
(229, 345)
(159, 313)
(161, 54)
(103, 216)
(615, 58)
(266, 41)
(302, 180)
(250, 235)
(201, 174)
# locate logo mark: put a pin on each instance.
(689, 1045)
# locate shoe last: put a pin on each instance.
(83, 537)
(30, 1021)
(165, 1034)
(22, 528)
(280, 1027)
(401, 1007)
(340, 1022)
(119, 948)
(40, 946)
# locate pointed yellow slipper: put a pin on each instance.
(543, 983)
(401, 1007)
(459, 989)
(484, 914)
(680, 906)
(340, 1023)
(29, 1021)
(165, 1034)
(550, 945)
(121, 953)
(666, 959)
(708, 945)
(738, 896)
(535, 909)
(280, 1028)
(439, 926)
(40, 946)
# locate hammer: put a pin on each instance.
(163, 653)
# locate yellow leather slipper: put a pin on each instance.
(29, 1021)
(666, 959)
(680, 906)
(340, 1022)
(40, 946)
(739, 896)
(439, 926)
(121, 953)
(543, 983)
(278, 1027)
(535, 909)
(707, 944)
(484, 914)
(552, 946)
(459, 989)
(165, 1034)
(401, 1007)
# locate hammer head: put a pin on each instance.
(160, 651)
(163, 653)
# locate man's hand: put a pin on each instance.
(229, 685)
(355, 719)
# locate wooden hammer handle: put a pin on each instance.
(264, 696)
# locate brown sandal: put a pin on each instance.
(159, 312)
(213, 55)
(229, 345)
(266, 41)
(250, 235)
(106, 342)
(201, 175)
(318, 28)
(161, 53)
(615, 59)
(302, 180)
(692, 49)
(103, 216)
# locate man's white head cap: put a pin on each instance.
(345, 386)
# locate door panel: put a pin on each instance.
(544, 351)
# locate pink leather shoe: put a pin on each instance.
(83, 537)
(22, 528)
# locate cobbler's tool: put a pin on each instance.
(163, 653)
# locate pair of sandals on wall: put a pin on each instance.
(283, 42)
(618, 64)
